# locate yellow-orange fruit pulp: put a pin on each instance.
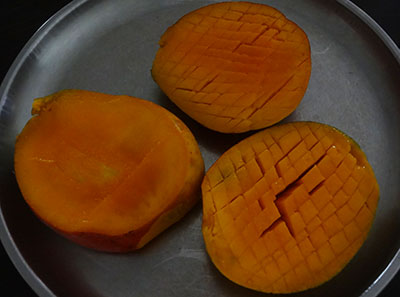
(287, 208)
(234, 66)
(109, 172)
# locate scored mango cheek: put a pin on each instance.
(287, 208)
(234, 66)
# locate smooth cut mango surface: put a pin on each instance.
(109, 172)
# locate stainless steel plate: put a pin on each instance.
(108, 46)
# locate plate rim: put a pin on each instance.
(27, 273)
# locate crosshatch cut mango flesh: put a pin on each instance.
(234, 66)
(287, 208)
(108, 172)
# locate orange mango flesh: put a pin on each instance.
(234, 66)
(287, 208)
(108, 165)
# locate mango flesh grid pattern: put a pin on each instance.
(235, 65)
(293, 204)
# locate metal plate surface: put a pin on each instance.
(109, 46)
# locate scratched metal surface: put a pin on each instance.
(108, 46)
